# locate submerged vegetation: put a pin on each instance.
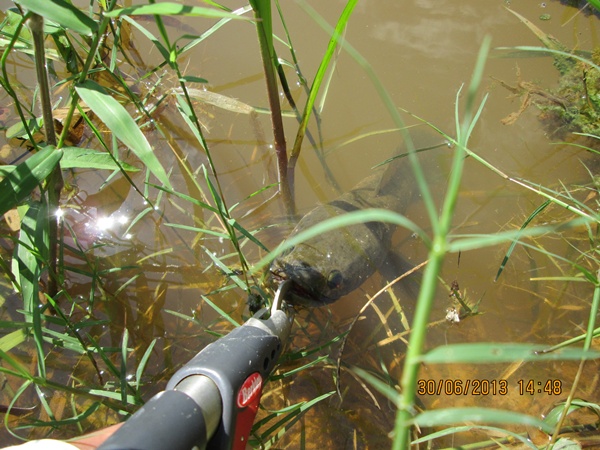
(82, 305)
(572, 107)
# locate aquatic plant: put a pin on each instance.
(574, 105)
(103, 120)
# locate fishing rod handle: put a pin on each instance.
(178, 419)
(212, 401)
(238, 364)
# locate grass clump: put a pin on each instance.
(74, 292)
(573, 106)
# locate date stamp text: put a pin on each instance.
(487, 387)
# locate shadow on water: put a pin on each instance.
(147, 277)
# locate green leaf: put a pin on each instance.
(118, 120)
(5, 170)
(235, 224)
(271, 435)
(534, 214)
(63, 13)
(30, 253)
(554, 417)
(219, 100)
(220, 311)
(21, 370)
(595, 4)
(85, 158)
(11, 340)
(321, 72)
(488, 352)
(10, 25)
(447, 416)
(142, 364)
(494, 430)
(198, 230)
(21, 181)
(192, 79)
(173, 9)
(344, 220)
(159, 45)
(18, 129)
(384, 388)
(130, 399)
(566, 444)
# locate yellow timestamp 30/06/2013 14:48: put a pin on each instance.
(486, 387)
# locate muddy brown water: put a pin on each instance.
(422, 51)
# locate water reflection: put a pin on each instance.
(440, 30)
(97, 226)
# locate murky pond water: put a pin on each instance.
(146, 275)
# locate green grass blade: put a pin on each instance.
(118, 120)
(198, 230)
(487, 240)
(20, 370)
(159, 45)
(25, 177)
(392, 110)
(226, 270)
(437, 253)
(174, 9)
(288, 420)
(129, 399)
(352, 218)
(142, 365)
(300, 369)
(86, 158)
(32, 246)
(222, 313)
(487, 353)
(187, 113)
(495, 431)
(384, 388)
(467, 242)
(76, 419)
(448, 416)
(188, 198)
(123, 369)
(321, 72)
(537, 211)
(63, 13)
(561, 53)
(11, 340)
(212, 30)
(235, 224)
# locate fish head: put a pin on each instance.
(312, 285)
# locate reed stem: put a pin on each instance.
(54, 183)
(262, 12)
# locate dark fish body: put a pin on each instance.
(335, 263)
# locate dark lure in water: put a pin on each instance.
(335, 263)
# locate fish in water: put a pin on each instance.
(333, 264)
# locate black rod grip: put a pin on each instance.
(170, 420)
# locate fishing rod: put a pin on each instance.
(212, 401)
